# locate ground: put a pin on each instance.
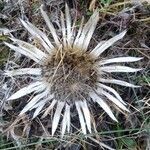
(133, 129)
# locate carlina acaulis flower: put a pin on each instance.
(69, 73)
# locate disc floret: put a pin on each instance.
(71, 73)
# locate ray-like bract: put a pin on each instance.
(43, 37)
(68, 26)
(32, 87)
(87, 32)
(40, 105)
(30, 48)
(100, 48)
(119, 59)
(118, 82)
(57, 115)
(73, 29)
(78, 34)
(86, 113)
(112, 91)
(35, 32)
(63, 28)
(118, 69)
(50, 26)
(33, 101)
(113, 99)
(41, 102)
(68, 118)
(23, 51)
(24, 71)
(94, 20)
(50, 107)
(102, 104)
(81, 118)
(37, 110)
(65, 119)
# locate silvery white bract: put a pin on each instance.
(69, 73)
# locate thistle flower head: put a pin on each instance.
(68, 72)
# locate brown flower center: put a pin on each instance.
(70, 74)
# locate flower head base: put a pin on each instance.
(68, 73)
